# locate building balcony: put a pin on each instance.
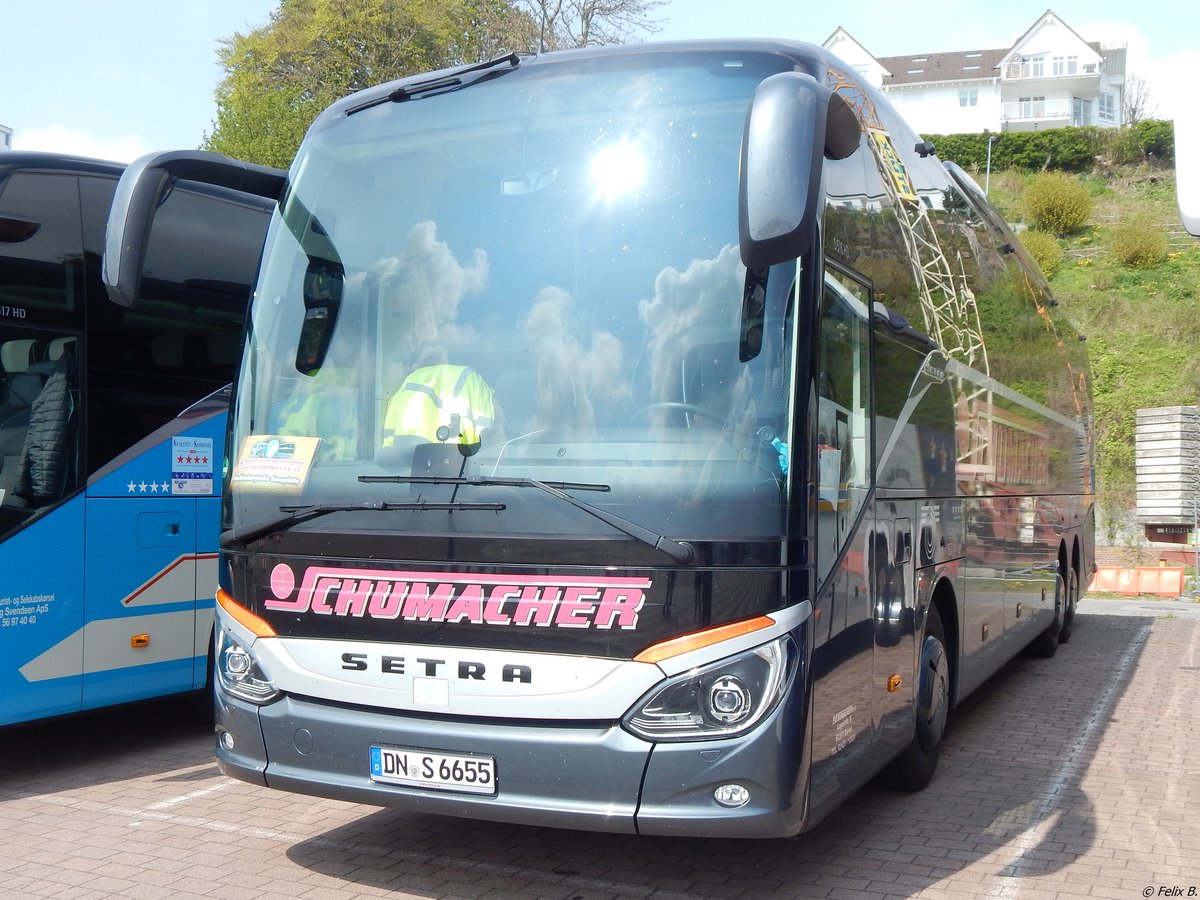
(1036, 114)
(1016, 71)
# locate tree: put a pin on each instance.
(279, 77)
(1136, 104)
(566, 24)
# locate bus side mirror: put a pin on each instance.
(793, 124)
(143, 187)
(323, 282)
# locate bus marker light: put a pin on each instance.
(138, 641)
(243, 616)
(687, 643)
(731, 796)
(893, 683)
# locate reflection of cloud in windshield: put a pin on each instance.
(575, 383)
(686, 307)
(425, 284)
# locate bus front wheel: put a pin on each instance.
(914, 767)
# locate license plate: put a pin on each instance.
(435, 771)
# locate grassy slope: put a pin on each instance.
(1143, 325)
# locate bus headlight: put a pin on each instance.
(722, 699)
(240, 673)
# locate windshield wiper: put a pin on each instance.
(449, 81)
(679, 551)
(297, 514)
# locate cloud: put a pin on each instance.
(425, 285)
(1167, 78)
(1170, 80)
(707, 293)
(576, 383)
(61, 139)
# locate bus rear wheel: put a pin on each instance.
(914, 767)
(1072, 601)
(1046, 644)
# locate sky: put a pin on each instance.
(119, 78)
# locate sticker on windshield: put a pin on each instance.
(269, 462)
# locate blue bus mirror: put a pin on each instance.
(792, 125)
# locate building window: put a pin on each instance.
(976, 54)
(968, 98)
(1107, 107)
(1066, 65)
(1026, 67)
(1081, 111)
(1033, 107)
(915, 71)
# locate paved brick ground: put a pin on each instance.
(1071, 777)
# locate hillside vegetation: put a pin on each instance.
(1129, 278)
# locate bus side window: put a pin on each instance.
(844, 463)
(39, 438)
(41, 275)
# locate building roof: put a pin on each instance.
(958, 65)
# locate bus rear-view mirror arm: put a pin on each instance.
(141, 190)
(794, 122)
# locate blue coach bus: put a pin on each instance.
(111, 421)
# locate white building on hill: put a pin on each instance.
(1049, 78)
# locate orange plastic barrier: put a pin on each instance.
(1163, 581)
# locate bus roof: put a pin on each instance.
(15, 160)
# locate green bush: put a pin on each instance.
(1139, 243)
(1070, 149)
(1156, 138)
(1045, 250)
(1058, 203)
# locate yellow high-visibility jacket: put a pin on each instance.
(321, 411)
(440, 403)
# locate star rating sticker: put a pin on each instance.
(142, 488)
(132, 487)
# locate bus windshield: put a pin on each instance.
(535, 276)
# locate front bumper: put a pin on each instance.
(591, 776)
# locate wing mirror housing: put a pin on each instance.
(794, 123)
(145, 184)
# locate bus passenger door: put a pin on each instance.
(843, 628)
(41, 531)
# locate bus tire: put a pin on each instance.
(1045, 645)
(914, 767)
(1072, 602)
(204, 700)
